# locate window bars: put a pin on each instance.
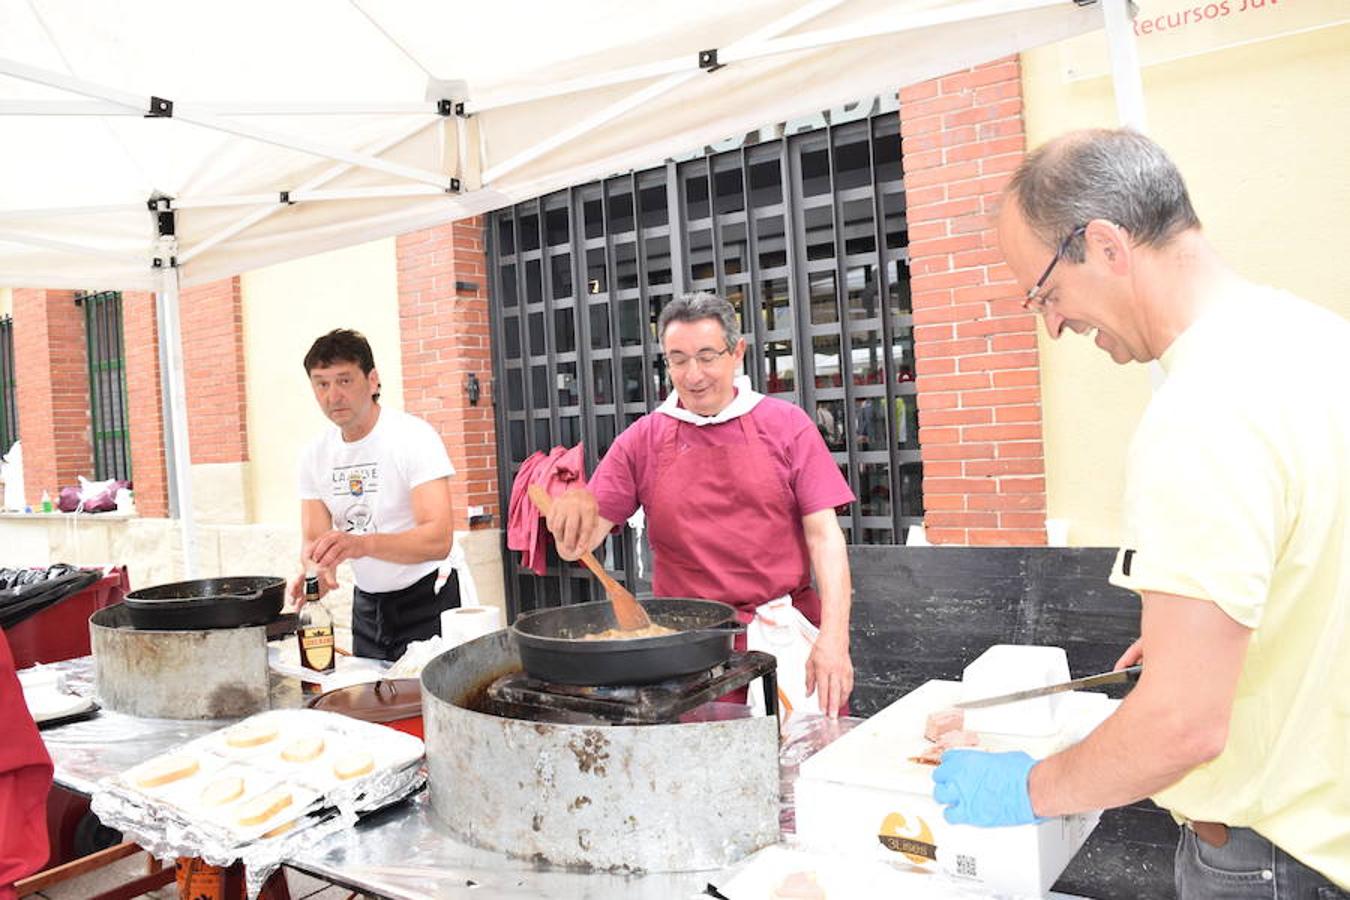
(107, 383)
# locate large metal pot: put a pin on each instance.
(207, 603)
(552, 647)
(654, 798)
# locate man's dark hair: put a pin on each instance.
(338, 346)
(1113, 174)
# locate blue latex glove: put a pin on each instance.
(985, 789)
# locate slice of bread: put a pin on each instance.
(303, 749)
(250, 735)
(166, 770)
(281, 829)
(354, 765)
(264, 807)
(222, 791)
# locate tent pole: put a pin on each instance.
(317, 181)
(763, 44)
(652, 91)
(237, 108)
(175, 419)
(1129, 85)
(34, 241)
(198, 115)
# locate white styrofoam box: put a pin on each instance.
(1005, 668)
(863, 797)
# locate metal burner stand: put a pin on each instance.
(523, 697)
(671, 797)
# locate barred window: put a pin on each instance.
(9, 406)
(806, 235)
(107, 383)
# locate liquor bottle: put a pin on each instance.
(315, 631)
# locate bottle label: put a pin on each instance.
(316, 649)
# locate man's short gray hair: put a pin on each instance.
(1113, 174)
(701, 305)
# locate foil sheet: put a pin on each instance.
(89, 751)
(168, 831)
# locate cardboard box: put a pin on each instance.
(862, 796)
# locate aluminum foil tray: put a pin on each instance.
(178, 818)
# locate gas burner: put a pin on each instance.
(524, 697)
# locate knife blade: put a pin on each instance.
(1075, 684)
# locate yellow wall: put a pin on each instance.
(286, 307)
(1260, 133)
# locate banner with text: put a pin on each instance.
(1167, 30)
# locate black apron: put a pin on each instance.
(384, 624)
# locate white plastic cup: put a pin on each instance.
(1057, 532)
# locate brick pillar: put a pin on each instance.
(443, 322)
(145, 404)
(51, 367)
(212, 318)
(978, 370)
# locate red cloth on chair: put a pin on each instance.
(557, 471)
(25, 780)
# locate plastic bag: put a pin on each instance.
(779, 628)
(91, 496)
(69, 499)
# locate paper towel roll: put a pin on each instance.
(465, 623)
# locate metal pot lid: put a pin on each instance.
(378, 701)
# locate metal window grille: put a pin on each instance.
(806, 235)
(9, 404)
(107, 383)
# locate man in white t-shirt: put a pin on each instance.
(375, 491)
(1236, 535)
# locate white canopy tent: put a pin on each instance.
(148, 145)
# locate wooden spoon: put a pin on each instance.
(627, 612)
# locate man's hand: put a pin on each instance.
(295, 585)
(985, 789)
(1133, 654)
(572, 521)
(337, 547)
(829, 670)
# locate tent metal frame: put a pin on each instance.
(155, 107)
(100, 100)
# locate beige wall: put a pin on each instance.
(1260, 133)
(285, 308)
(6, 301)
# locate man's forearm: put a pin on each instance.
(1137, 752)
(422, 543)
(829, 561)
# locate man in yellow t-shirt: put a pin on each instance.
(1237, 535)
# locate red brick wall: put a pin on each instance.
(213, 363)
(51, 370)
(145, 410)
(444, 338)
(978, 375)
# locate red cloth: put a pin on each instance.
(558, 471)
(25, 779)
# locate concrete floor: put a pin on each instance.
(302, 887)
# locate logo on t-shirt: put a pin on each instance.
(351, 488)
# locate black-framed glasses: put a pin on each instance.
(1033, 300)
(704, 357)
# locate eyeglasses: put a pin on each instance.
(704, 357)
(1033, 300)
